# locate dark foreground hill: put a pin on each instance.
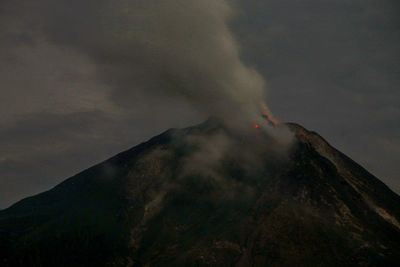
(203, 196)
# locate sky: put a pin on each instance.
(83, 80)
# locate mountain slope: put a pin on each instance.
(207, 196)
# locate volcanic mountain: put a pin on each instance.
(209, 196)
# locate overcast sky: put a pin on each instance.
(331, 65)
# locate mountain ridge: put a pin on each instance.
(205, 196)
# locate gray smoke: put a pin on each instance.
(152, 48)
(130, 68)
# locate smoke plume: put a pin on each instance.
(152, 48)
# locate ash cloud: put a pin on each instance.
(152, 49)
(61, 59)
(138, 62)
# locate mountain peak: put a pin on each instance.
(206, 196)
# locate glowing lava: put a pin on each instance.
(266, 117)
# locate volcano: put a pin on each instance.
(207, 196)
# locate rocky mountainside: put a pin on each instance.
(206, 196)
